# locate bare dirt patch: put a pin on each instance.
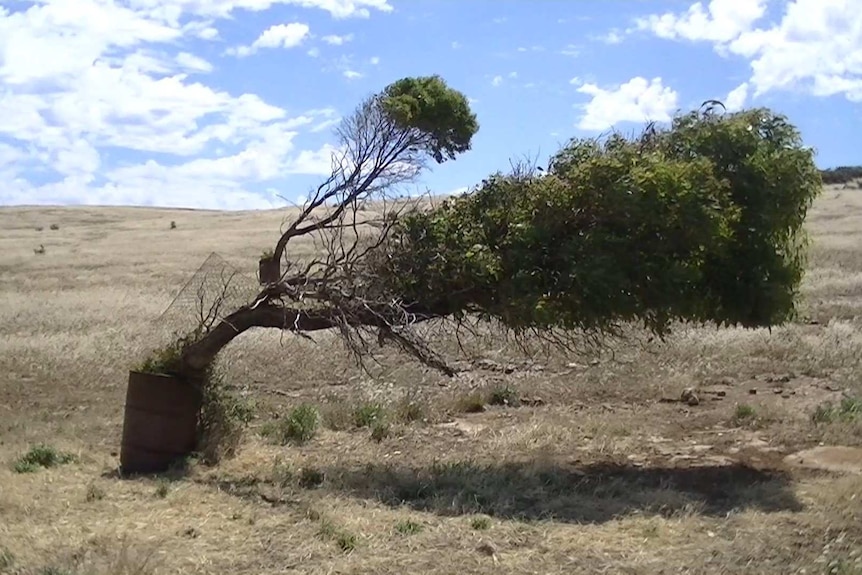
(829, 458)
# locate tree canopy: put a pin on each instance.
(700, 221)
(438, 116)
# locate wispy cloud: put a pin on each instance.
(278, 36)
(336, 40)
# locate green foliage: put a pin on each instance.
(345, 540)
(163, 487)
(368, 414)
(848, 410)
(504, 395)
(380, 430)
(698, 222)
(163, 361)
(408, 527)
(480, 523)
(300, 425)
(310, 478)
(744, 413)
(41, 456)
(223, 418)
(433, 110)
(7, 559)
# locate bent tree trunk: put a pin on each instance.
(198, 356)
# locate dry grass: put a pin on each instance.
(592, 473)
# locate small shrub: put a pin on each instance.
(41, 456)
(411, 410)
(173, 225)
(505, 395)
(39, 228)
(300, 425)
(282, 475)
(823, 413)
(744, 413)
(223, 418)
(310, 478)
(94, 493)
(848, 410)
(55, 227)
(162, 361)
(368, 414)
(327, 529)
(163, 487)
(408, 527)
(7, 560)
(380, 430)
(40, 250)
(471, 403)
(480, 523)
(346, 541)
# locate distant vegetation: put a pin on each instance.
(841, 174)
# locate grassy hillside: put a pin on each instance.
(544, 464)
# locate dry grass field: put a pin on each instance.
(549, 464)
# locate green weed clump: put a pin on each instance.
(299, 426)
(848, 410)
(41, 457)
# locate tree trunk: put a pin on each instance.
(200, 355)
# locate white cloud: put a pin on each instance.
(192, 63)
(637, 100)
(720, 21)
(59, 40)
(736, 98)
(374, 60)
(352, 74)
(277, 36)
(816, 46)
(225, 8)
(500, 79)
(614, 36)
(336, 40)
(571, 51)
(92, 88)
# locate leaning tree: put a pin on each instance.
(700, 221)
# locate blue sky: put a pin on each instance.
(231, 103)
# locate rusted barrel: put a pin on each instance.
(160, 424)
(268, 270)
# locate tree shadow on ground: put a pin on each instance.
(590, 494)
